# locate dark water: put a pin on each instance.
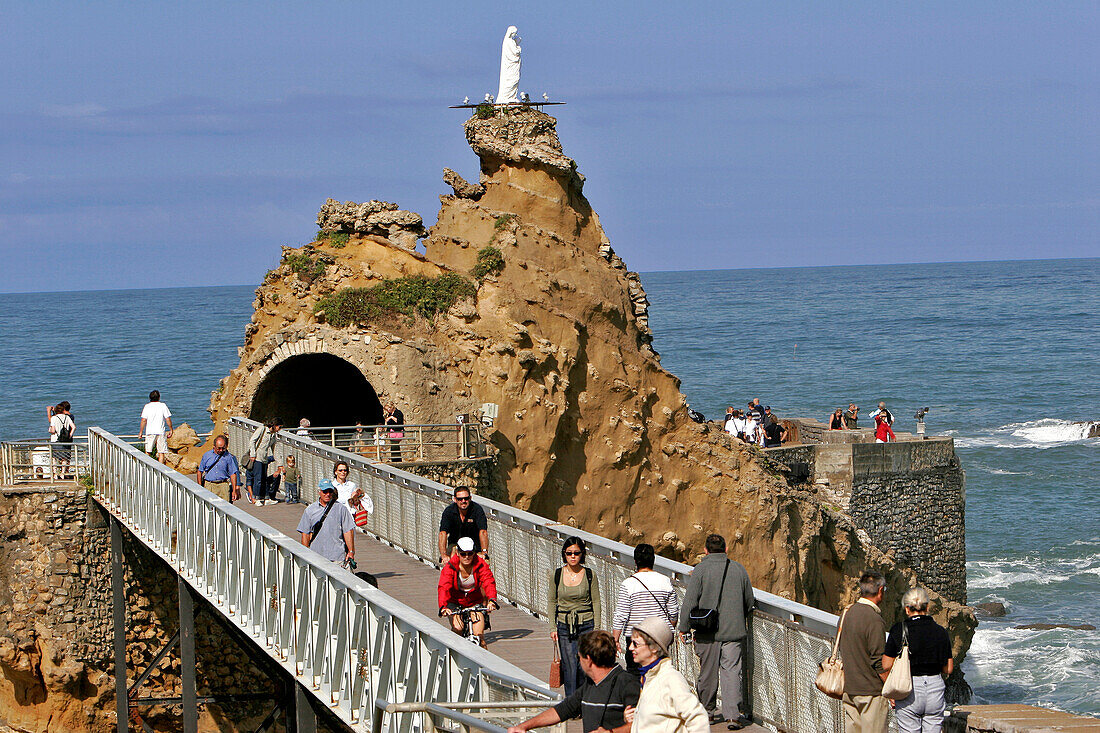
(1005, 354)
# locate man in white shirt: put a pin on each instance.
(156, 426)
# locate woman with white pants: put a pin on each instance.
(929, 658)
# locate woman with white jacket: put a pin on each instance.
(667, 703)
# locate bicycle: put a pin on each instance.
(467, 623)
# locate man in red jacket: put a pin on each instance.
(466, 581)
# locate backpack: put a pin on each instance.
(65, 434)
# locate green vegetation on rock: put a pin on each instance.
(503, 221)
(408, 296)
(337, 240)
(485, 110)
(490, 261)
(306, 267)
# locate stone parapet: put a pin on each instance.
(1016, 719)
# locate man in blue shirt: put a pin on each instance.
(218, 470)
(331, 536)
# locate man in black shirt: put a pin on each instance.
(463, 518)
(601, 700)
(773, 433)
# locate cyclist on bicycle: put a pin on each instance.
(467, 581)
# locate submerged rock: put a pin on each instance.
(1048, 627)
(990, 610)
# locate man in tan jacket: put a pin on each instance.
(862, 639)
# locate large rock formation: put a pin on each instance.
(591, 429)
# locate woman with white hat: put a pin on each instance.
(667, 704)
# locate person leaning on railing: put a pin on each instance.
(601, 701)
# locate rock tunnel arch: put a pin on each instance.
(322, 387)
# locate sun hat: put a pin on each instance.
(657, 629)
(465, 544)
(326, 485)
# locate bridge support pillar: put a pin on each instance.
(118, 588)
(304, 719)
(187, 658)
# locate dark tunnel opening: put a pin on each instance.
(322, 387)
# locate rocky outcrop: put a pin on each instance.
(381, 218)
(462, 188)
(590, 428)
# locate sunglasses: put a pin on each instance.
(467, 554)
(572, 552)
(462, 498)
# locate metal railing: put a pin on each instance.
(40, 461)
(491, 717)
(403, 444)
(353, 647)
(787, 639)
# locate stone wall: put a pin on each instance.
(56, 630)
(479, 475)
(909, 496)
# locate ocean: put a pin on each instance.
(1004, 355)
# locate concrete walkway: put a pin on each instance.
(517, 636)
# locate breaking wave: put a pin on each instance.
(1045, 433)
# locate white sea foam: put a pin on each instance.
(1001, 573)
(1045, 433)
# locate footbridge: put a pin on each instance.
(379, 659)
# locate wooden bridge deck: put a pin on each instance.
(517, 636)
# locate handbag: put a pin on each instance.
(361, 517)
(555, 669)
(830, 673)
(899, 683)
(706, 619)
(246, 464)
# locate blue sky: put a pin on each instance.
(155, 145)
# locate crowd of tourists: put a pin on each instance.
(842, 419)
(755, 425)
(646, 692)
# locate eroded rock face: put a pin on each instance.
(591, 429)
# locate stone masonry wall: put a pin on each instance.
(478, 475)
(56, 631)
(910, 497)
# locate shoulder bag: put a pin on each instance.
(555, 669)
(899, 683)
(706, 619)
(830, 673)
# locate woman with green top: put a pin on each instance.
(575, 605)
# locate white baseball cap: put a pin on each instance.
(465, 544)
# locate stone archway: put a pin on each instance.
(324, 388)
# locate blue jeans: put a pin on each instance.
(256, 477)
(291, 492)
(572, 676)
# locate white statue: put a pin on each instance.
(509, 67)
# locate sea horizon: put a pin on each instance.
(761, 268)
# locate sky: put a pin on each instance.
(158, 145)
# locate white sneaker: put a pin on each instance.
(262, 502)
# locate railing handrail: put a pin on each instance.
(821, 622)
(488, 664)
(78, 439)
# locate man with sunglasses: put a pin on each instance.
(463, 518)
